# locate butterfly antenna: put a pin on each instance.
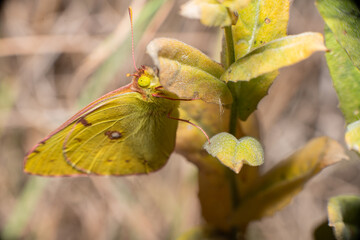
(132, 37)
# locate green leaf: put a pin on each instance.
(352, 136)
(234, 153)
(345, 76)
(250, 93)
(276, 188)
(213, 12)
(343, 18)
(274, 55)
(260, 22)
(188, 72)
(344, 216)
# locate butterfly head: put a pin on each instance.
(146, 81)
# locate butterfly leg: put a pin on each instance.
(193, 124)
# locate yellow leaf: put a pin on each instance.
(277, 187)
(213, 176)
(212, 12)
(274, 55)
(235, 5)
(260, 22)
(188, 72)
(233, 153)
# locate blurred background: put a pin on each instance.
(58, 55)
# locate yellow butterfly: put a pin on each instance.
(127, 131)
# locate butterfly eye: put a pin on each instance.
(144, 81)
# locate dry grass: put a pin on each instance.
(49, 53)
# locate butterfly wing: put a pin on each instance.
(121, 134)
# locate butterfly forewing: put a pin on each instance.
(122, 135)
(46, 158)
(126, 135)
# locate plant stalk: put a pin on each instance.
(230, 54)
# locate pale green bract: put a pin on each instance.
(233, 153)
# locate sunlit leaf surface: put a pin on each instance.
(276, 188)
(188, 72)
(213, 12)
(343, 18)
(345, 76)
(233, 153)
(274, 55)
(260, 22)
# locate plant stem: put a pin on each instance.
(230, 59)
(233, 117)
(230, 52)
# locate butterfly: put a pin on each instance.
(127, 131)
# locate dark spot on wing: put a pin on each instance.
(52, 160)
(109, 160)
(84, 122)
(36, 151)
(78, 139)
(113, 134)
(127, 160)
(42, 142)
(267, 20)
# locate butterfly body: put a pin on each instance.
(126, 131)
